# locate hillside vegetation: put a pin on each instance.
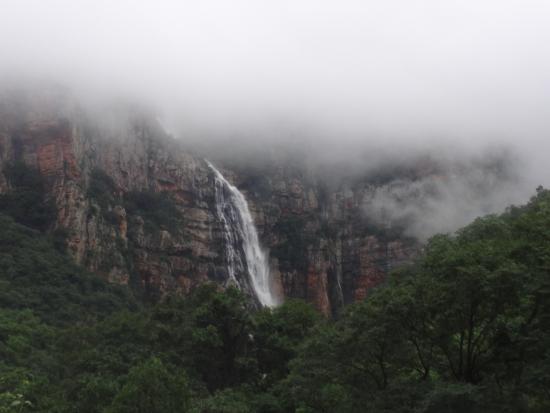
(464, 329)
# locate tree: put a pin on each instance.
(278, 334)
(211, 333)
(151, 388)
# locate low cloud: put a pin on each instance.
(447, 198)
(351, 84)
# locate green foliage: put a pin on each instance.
(279, 333)
(158, 210)
(14, 390)
(453, 398)
(225, 401)
(151, 388)
(34, 275)
(27, 202)
(59, 239)
(102, 189)
(465, 329)
(214, 328)
(293, 248)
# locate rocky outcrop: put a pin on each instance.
(139, 210)
(92, 164)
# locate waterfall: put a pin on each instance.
(240, 232)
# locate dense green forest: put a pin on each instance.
(466, 328)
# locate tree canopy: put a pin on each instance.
(465, 328)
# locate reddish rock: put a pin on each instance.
(341, 261)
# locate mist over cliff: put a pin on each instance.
(340, 89)
(274, 206)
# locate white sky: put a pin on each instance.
(471, 70)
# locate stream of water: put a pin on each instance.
(240, 231)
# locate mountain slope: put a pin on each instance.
(139, 208)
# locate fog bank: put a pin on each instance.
(348, 82)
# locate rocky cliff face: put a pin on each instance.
(113, 181)
(323, 246)
(138, 209)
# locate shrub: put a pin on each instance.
(158, 210)
(27, 202)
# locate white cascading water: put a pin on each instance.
(232, 209)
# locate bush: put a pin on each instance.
(158, 210)
(101, 188)
(27, 201)
(151, 388)
(35, 275)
